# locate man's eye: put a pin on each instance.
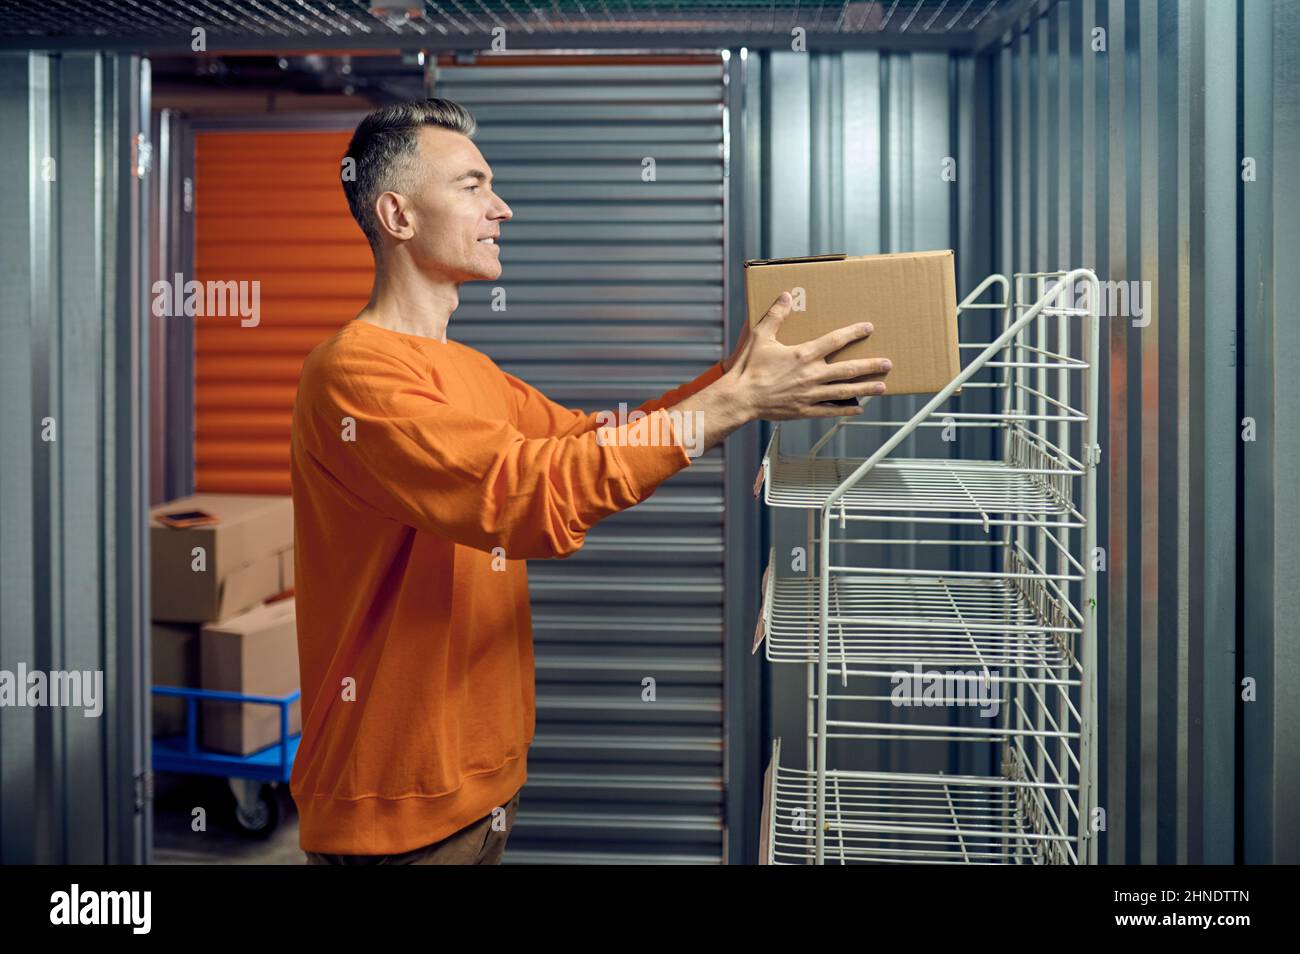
(471, 188)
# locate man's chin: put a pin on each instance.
(485, 274)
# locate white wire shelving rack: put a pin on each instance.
(1021, 632)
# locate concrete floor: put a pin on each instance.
(223, 842)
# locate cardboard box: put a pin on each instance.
(910, 298)
(241, 565)
(765, 815)
(174, 655)
(254, 653)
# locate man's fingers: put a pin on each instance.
(832, 410)
(859, 368)
(842, 392)
(770, 323)
(833, 341)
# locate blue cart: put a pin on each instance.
(252, 778)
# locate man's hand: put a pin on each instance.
(781, 383)
(729, 361)
(774, 382)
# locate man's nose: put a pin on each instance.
(502, 211)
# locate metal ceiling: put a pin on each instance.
(527, 24)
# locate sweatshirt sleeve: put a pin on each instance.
(682, 392)
(472, 479)
(539, 416)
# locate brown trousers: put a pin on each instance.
(475, 844)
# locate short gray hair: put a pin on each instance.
(381, 150)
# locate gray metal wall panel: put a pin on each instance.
(24, 100)
(171, 361)
(1213, 243)
(83, 311)
(1124, 158)
(46, 463)
(1286, 432)
(1269, 348)
(743, 531)
(72, 591)
(1180, 86)
(1127, 157)
(1258, 465)
(854, 162)
(862, 151)
(125, 461)
(594, 320)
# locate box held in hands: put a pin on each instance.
(910, 298)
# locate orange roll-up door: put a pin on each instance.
(269, 208)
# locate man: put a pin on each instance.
(423, 478)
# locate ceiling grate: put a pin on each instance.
(444, 23)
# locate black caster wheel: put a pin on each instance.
(258, 812)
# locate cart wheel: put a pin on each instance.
(259, 816)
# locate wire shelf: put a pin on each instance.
(896, 818)
(1011, 637)
(899, 621)
(911, 485)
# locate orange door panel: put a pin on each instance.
(269, 208)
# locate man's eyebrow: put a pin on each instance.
(473, 174)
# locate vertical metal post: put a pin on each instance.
(823, 684)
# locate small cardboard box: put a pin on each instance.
(255, 653)
(910, 298)
(241, 565)
(174, 655)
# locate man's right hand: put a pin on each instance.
(779, 382)
(776, 382)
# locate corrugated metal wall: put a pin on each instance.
(1118, 141)
(74, 485)
(269, 208)
(858, 152)
(614, 291)
(1268, 283)
(1128, 159)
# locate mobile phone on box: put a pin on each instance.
(180, 519)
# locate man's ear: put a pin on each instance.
(394, 216)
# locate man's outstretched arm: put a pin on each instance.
(786, 383)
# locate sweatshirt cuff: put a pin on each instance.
(689, 389)
(711, 375)
(649, 450)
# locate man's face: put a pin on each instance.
(455, 215)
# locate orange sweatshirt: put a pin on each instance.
(423, 477)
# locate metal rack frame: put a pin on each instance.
(1027, 627)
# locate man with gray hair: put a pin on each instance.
(424, 477)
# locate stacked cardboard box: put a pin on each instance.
(201, 574)
(255, 653)
(209, 629)
(175, 656)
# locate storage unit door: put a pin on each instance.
(613, 291)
